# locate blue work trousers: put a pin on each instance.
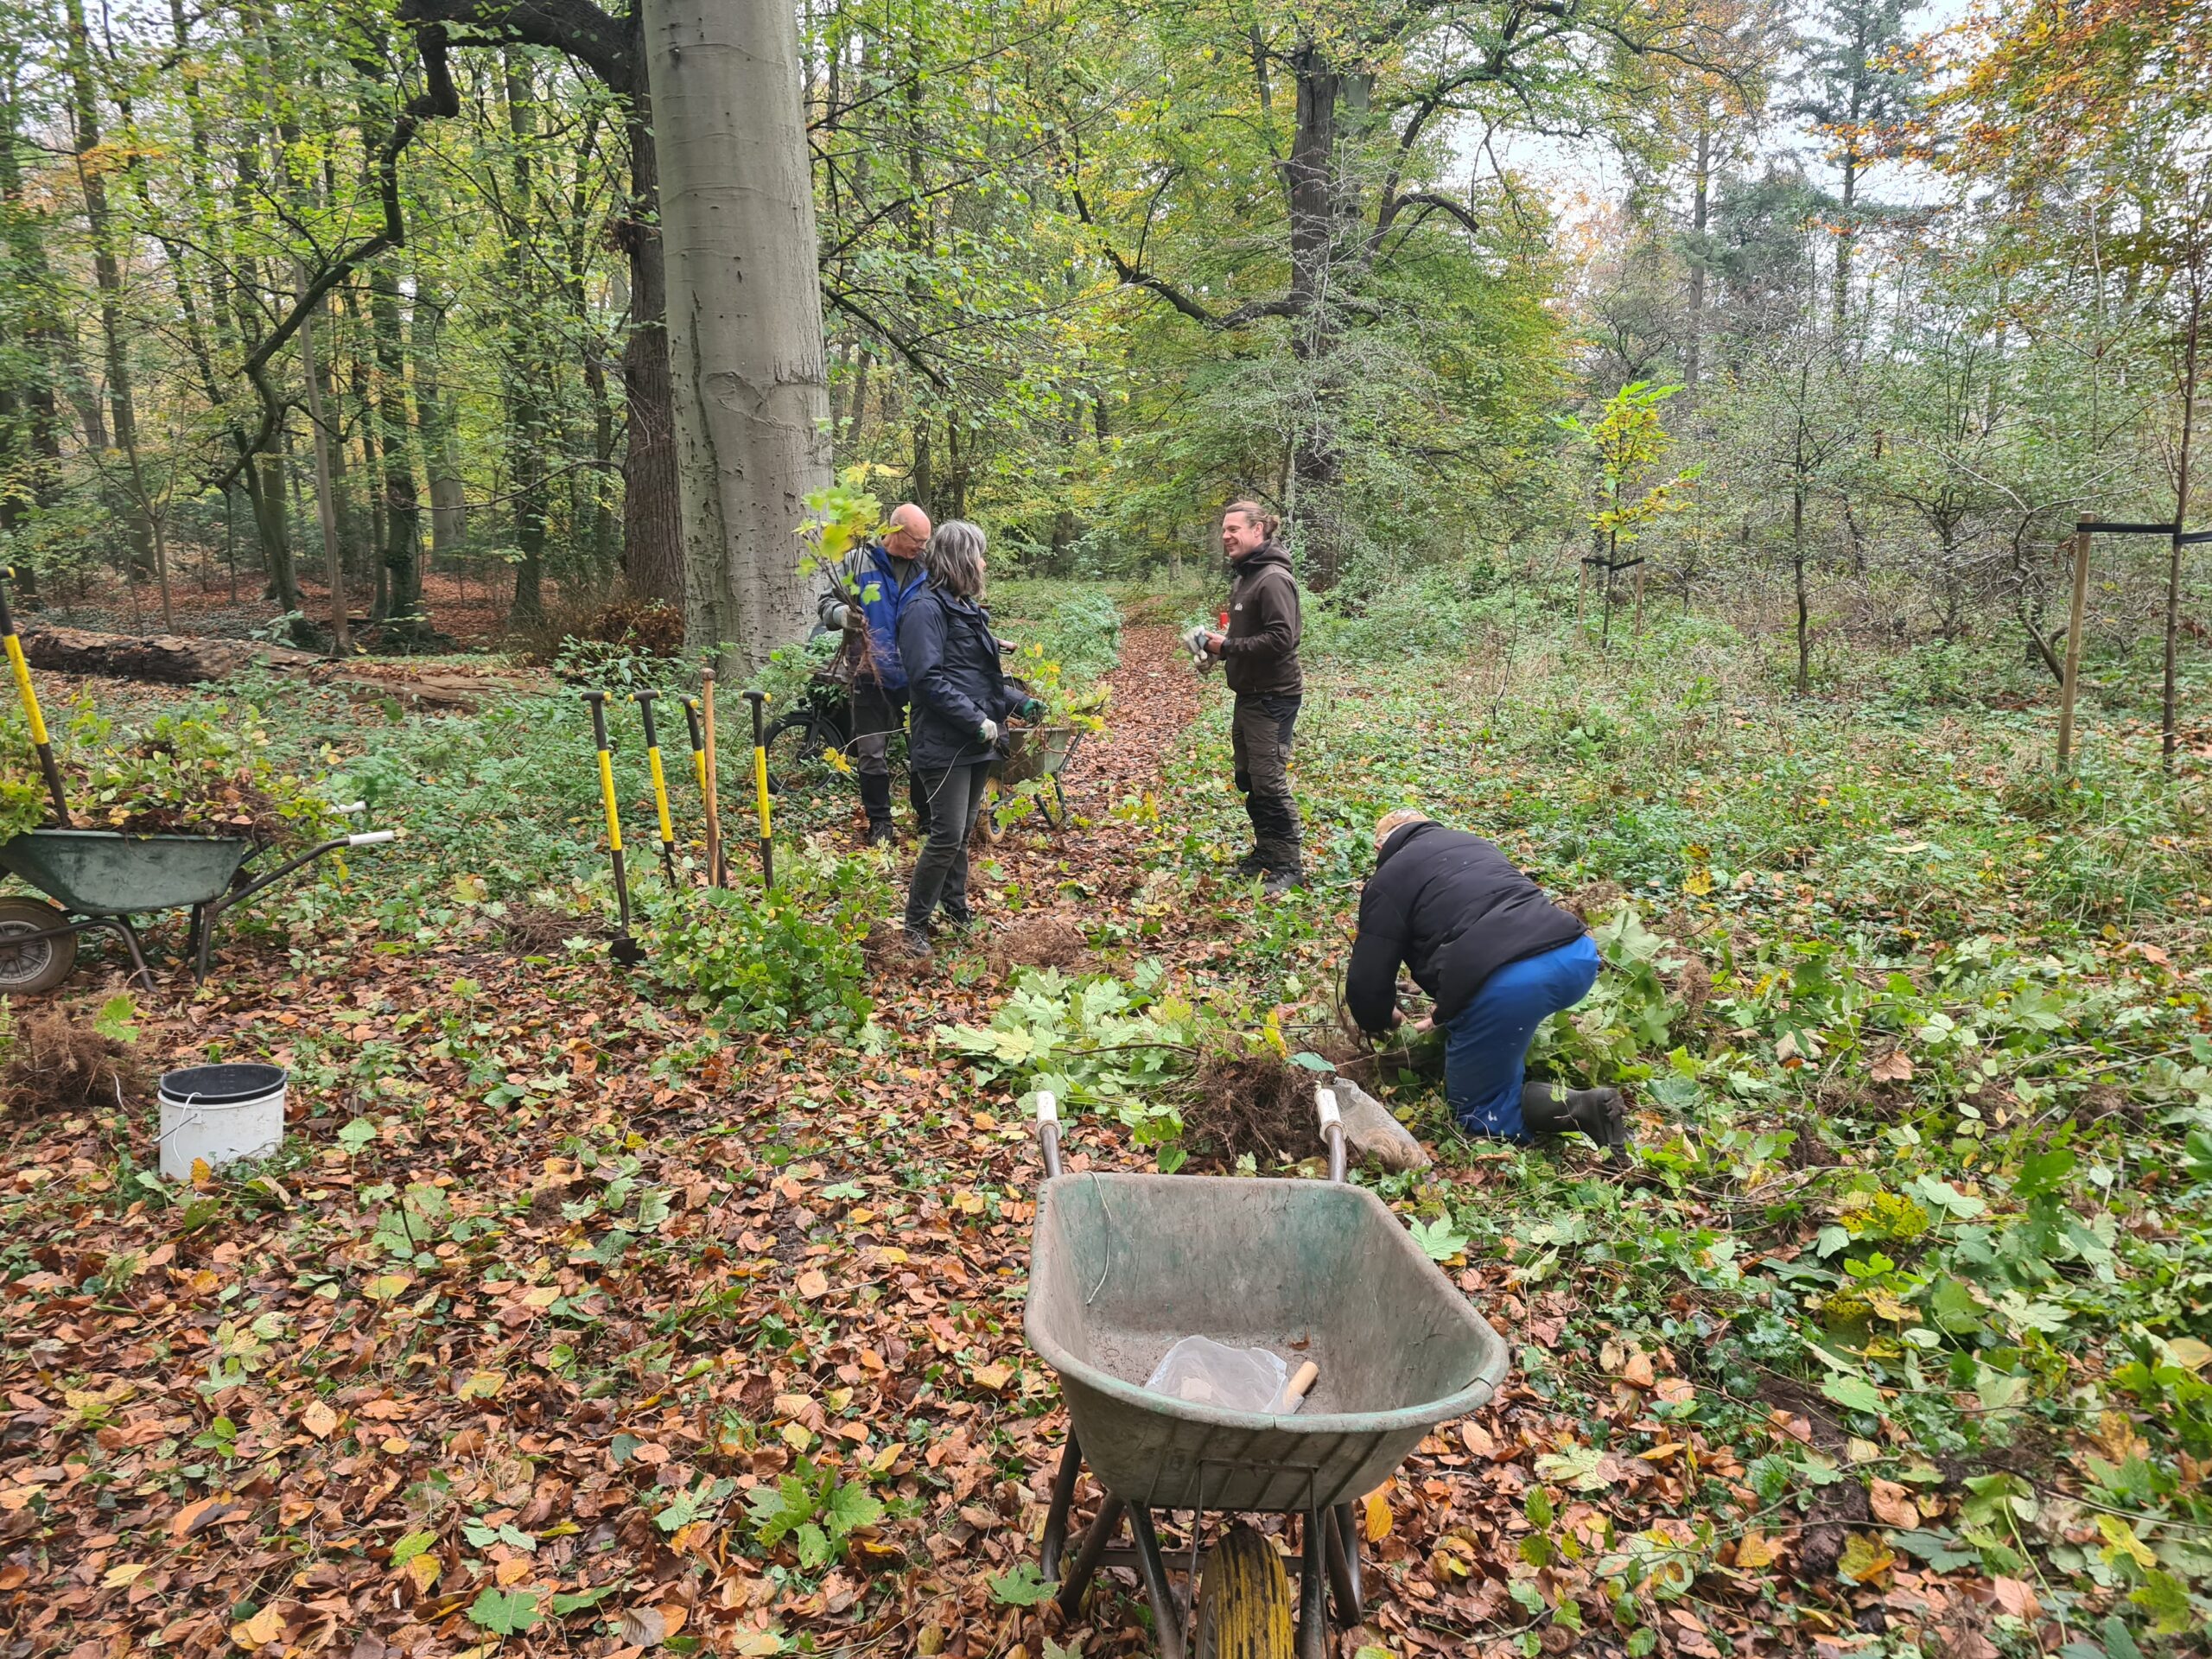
(1486, 1047)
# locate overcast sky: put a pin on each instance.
(1582, 175)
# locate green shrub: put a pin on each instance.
(763, 962)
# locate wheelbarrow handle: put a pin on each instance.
(1048, 1132)
(239, 895)
(1332, 1129)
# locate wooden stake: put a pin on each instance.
(2072, 676)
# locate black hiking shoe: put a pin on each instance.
(1279, 882)
(917, 945)
(881, 832)
(1253, 863)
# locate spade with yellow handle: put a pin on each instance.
(711, 783)
(760, 701)
(626, 949)
(21, 671)
(644, 702)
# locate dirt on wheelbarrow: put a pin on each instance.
(1255, 1104)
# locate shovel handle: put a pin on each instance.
(1332, 1129)
(760, 701)
(645, 701)
(1048, 1132)
(598, 702)
(1294, 1393)
(21, 671)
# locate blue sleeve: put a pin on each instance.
(929, 677)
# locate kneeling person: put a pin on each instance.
(1499, 957)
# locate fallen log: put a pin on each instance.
(164, 659)
(181, 659)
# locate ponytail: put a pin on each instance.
(1253, 512)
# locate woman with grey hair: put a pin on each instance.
(960, 702)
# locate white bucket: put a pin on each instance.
(220, 1114)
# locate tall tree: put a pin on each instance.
(1861, 87)
(745, 316)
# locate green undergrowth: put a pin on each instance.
(1919, 1048)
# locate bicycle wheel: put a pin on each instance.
(797, 746)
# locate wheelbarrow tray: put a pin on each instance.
(103, 873)
(1122, 1267)
(1035, 751)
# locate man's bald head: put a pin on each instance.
(909, 532)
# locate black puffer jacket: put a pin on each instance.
(1454, 910)
(951, 659)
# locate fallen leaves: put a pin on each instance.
(1895, 1066)
(1892, 1504)
(1375, 1519)
(1864, 1558)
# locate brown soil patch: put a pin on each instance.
(1836, 1509)
(60, 1064)
(883, 952)
(1258, 1105)
(539, 930)
(1040, 942)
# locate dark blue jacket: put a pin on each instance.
(871, 574)
(952, 673)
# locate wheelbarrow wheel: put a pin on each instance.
(1244, 1610)
(26, 965)
(988, 831)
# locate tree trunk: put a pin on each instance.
(744, 316)
(2167, 736)
(30, 433)
(441, 452)
(1797, 572)
(402, 508)
(652, 524)
(1700, 208)
(265, 476)
(326, 500)
(107, 270)
(1317, 203)
(528, 371)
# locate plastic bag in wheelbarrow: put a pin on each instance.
(1122, 1267)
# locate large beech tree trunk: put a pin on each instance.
(745, 346)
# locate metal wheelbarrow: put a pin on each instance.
(1034, 754)
(1121, 1267)
(101, 879)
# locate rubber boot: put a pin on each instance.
(1594, 1112)
(875, 797)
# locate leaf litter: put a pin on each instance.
(563, 1330)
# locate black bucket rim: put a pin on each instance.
(227, 1089)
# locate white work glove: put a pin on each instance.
(847, 618)
(989, 731)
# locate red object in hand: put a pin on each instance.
(1224, 621)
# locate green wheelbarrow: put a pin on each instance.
(101, 879)
(1122, 1267)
